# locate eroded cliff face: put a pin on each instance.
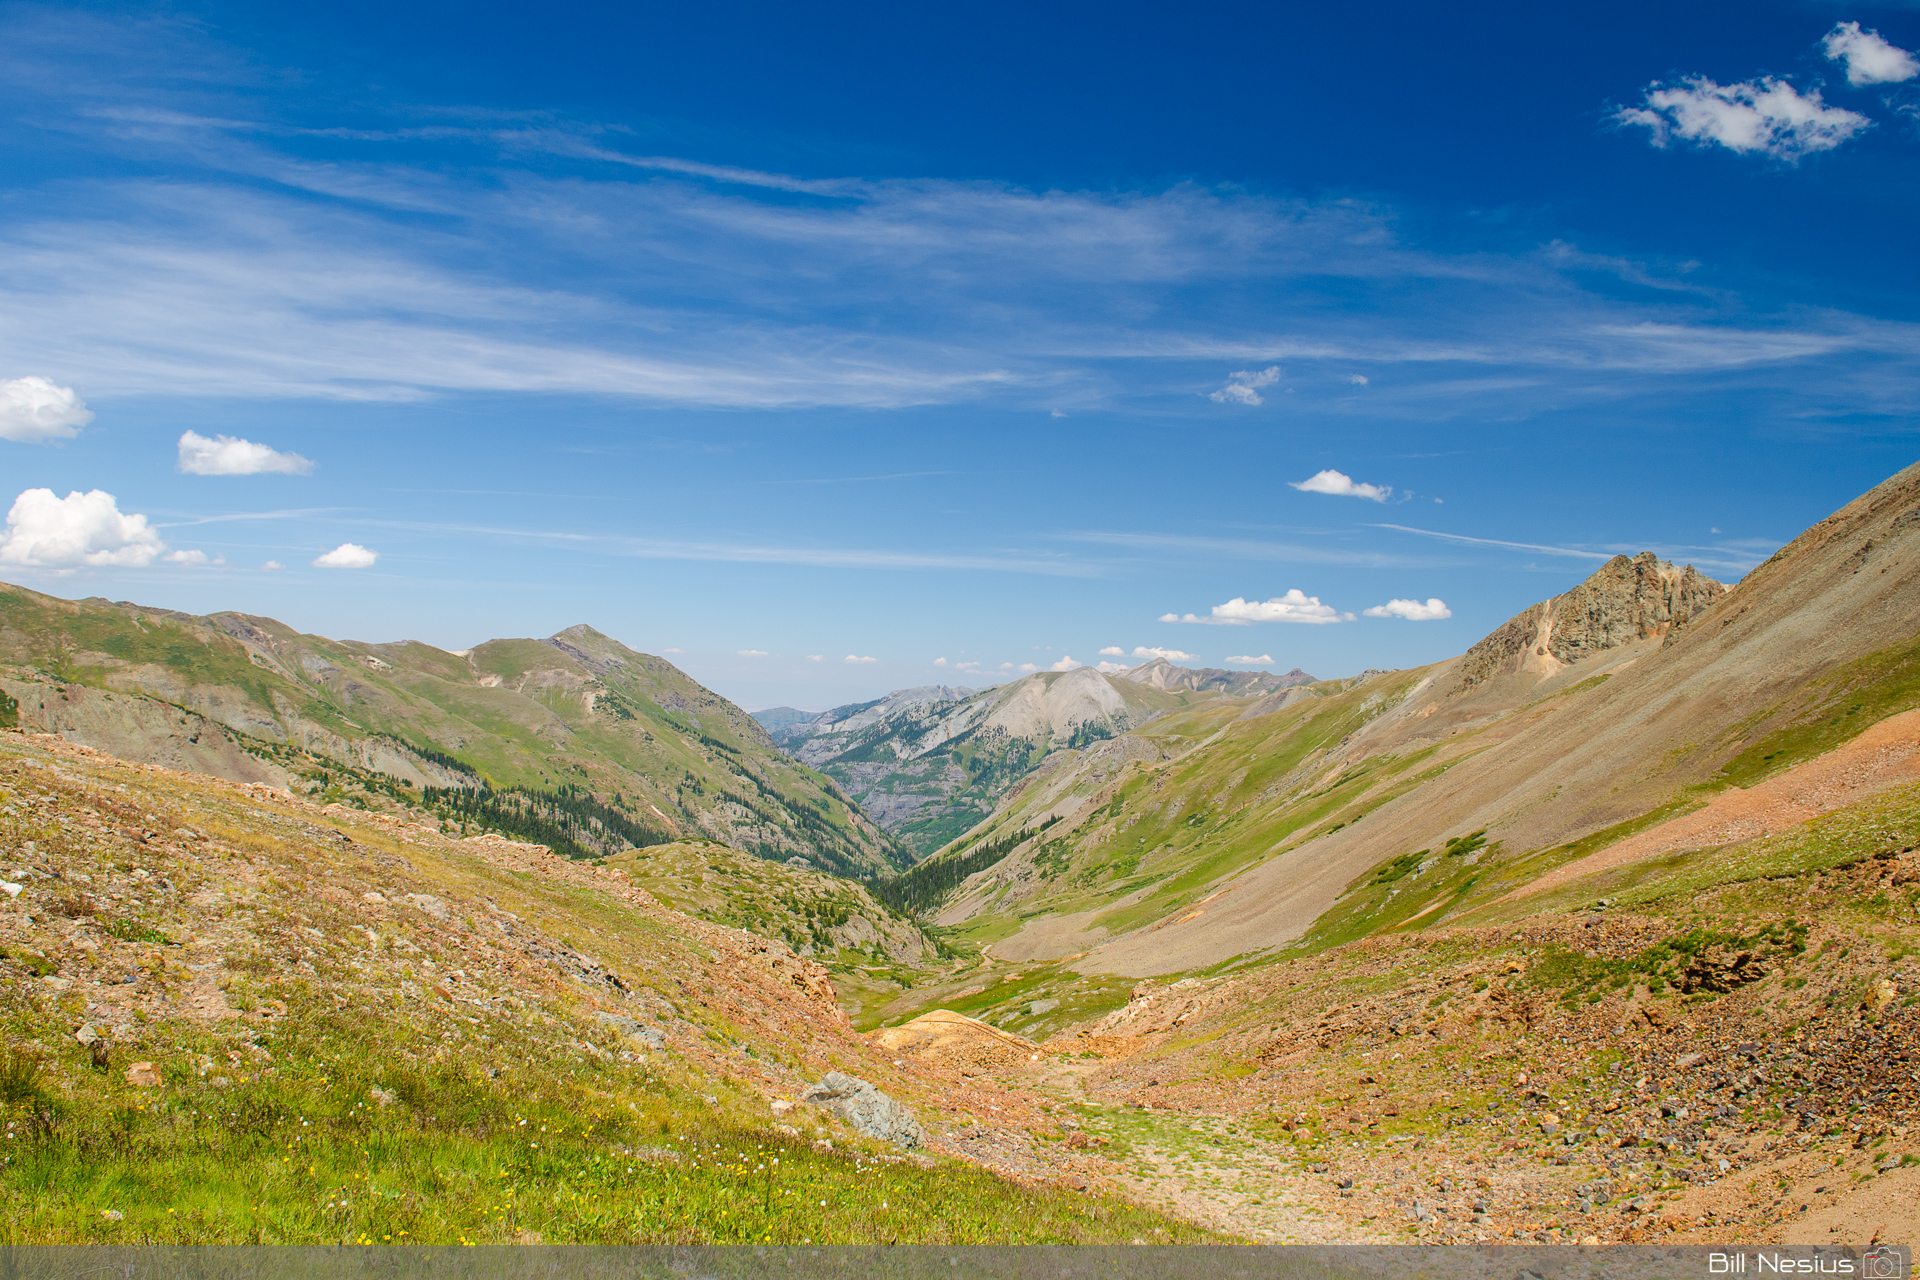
(1626, 599)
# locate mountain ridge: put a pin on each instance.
(574, 731)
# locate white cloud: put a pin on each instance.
(79, 531)
(232, 456)
(1357, 379)
(1869, 58)
(1767, 115)
(816, 657)
(1026, 666)
(1243, 387)
(1264, 660)
(273, 564)
(1066, 663)
(939, 662)
(1112, 668)
(857, 660)
(673, 651)
(1113, 651)
(1171, 655)
(34, 409)
(1411, 610)
(752, 653)
(1295, 606)
(1341, 485)
(348, 555)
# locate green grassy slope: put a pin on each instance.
(328, 1027)
(578, 718)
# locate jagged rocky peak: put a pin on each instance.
(1158, 673)
(1628, 598)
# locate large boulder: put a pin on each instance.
(870, 1112)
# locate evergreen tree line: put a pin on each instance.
(570, 821)
(914, 891)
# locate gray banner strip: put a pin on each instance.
(917, 1262)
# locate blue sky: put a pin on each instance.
(778, 341)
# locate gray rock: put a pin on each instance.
(1037, 1007)
(652, 1037)
(870, 1112)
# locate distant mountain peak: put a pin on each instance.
(1158, 673)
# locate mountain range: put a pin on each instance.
(929, 763)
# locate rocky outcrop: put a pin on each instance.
(1626, 599)
(871, 1113)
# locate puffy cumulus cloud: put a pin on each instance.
(1244, 387)
(273, 566)
(1295, 606)
(232, 456)
(1766, 116)
(34, 410)
(1869, 58)
(857, 660)
(939, 662)
(1113, 651)
(348, 555)
(1027, 667)
(1357, 379)
(1411, 610)
(1066, 663)
(1246, 660)
(752, 653)
(1341, 485)
(1171, 655)
(1111, 668)
(81, 531)
(816, 657)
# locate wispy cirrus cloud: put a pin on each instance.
(755, 553)
(1464, 540)
(322, 258)
(1253, 549)
(1733, 556)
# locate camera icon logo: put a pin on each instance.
(1885, 1262)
